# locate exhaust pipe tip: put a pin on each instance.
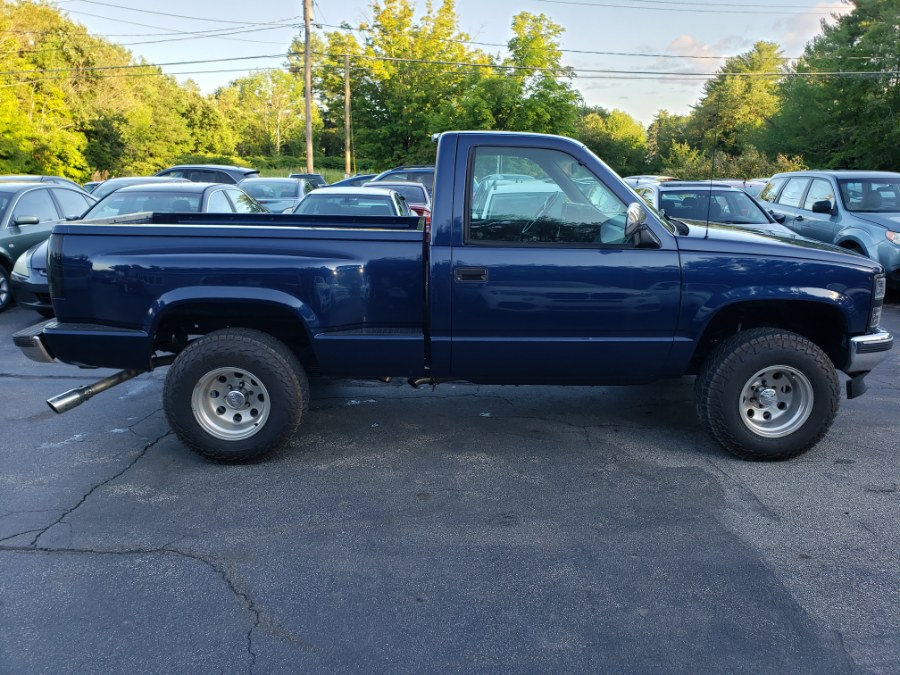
(67, 400)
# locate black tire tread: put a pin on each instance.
(4, 305)
(241, 342)
(728, 356)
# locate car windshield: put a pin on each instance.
(346, 205)
(733, 207)
(122, 203)
(871, 195)
(268, 190)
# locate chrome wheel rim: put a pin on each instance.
(231, 403)
(776, 401)
(4, 289)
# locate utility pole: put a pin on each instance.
(307, 84)
(347, 115)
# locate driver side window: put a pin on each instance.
(532, 196)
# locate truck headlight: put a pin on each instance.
(893, 237)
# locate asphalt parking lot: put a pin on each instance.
(467, 529)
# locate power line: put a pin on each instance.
(563, 72)
(674, 9)
(589, 51)
(177, 16)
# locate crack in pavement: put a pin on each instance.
(244, 599)
(84, 497)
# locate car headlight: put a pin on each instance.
(893, 237)
(20, 269)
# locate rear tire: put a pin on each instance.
(235, 395)
(767, 394)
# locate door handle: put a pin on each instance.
(471, 274)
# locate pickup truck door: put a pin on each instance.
(544, 286)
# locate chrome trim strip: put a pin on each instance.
(35, 350)
(867, 351)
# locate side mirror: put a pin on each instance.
(636, 230)
(779, 217)
(823, 206)
(635, 219)
(27, 220)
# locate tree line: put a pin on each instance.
(74, 104)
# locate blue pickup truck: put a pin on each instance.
(558, 277)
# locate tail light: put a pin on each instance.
(54, 266)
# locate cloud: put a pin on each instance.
(793, 32)
(690, 46)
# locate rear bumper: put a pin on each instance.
(89, 345)
(867, 351)
(29, 341)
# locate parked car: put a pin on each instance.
(317, 179)
(417, 173)
(703, 202)
(29, 276)
(634, 181)
(856, 210)
(416, 195)
(358, 180)
(277, 194)
(113, 184)
(210, 173)
(28, 212)
(361, 201)
(751, 186)
(59, 180)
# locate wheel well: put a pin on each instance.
(6, 264)
(821, 324)
(182, 324)
(851, 246)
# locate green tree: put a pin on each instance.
(664, 131)
(617, 138)
(736, 103)
(408, 75)
(846, 121)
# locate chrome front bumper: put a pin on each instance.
(867, 351)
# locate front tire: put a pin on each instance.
(5, 290)
(235, 395)
(767, 394)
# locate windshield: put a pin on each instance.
(413, 192)
(123, 203)
(346, 205)
(268, 190)
(871, 195)
(732, 207)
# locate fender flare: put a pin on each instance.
(223, 295)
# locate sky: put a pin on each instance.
(654, 54)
